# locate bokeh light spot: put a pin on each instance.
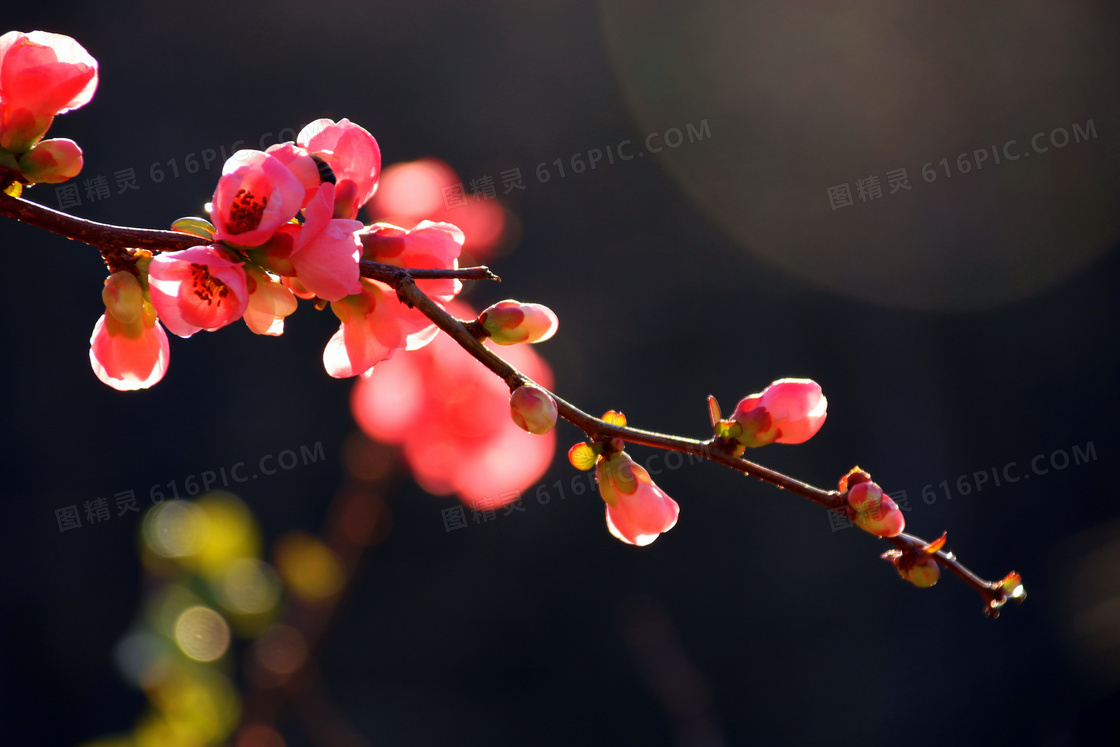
(309, 568)
(175, 529)
(249, 586)
(202, 633)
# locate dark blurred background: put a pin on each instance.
(957, 326)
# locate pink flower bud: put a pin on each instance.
(533, 409)
(875, 512)
(128, 349)
(510, 322)
(789, 411)
(41, 75)
(197, 288)
(51, 161)
(638, 511)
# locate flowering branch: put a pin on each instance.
(467, 334)
(285, 226)
(111, 239)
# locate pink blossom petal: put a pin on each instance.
(353, 155)
(197, 288)
(255, 196)
(327, 250)
(129, 357)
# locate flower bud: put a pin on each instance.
(874, 512)
(854, 477)
(638, 511)
(789, 411)
(510, 322)
(51, 161)
(43, 75)
(533, 409)
(923, 572)
(123, 297)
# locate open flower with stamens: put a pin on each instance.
(197, 288)
(255, 196)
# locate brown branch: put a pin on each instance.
(403, 280)
(599, 430)
(109, 239)
(100, 235)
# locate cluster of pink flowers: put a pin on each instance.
(42, 75)
(283, 225)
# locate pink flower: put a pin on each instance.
(41, 75)
(374, 323)
(51, 161)
(789, 411)
(128, 349)
(255, 196)
(426, 246)
(326, 250)
(511, 322)
(448, 413)
(300, 163)
(638, 511)
(269, 302)
(374, 326)
(197, 288)
(353, 156)
(411, 192)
